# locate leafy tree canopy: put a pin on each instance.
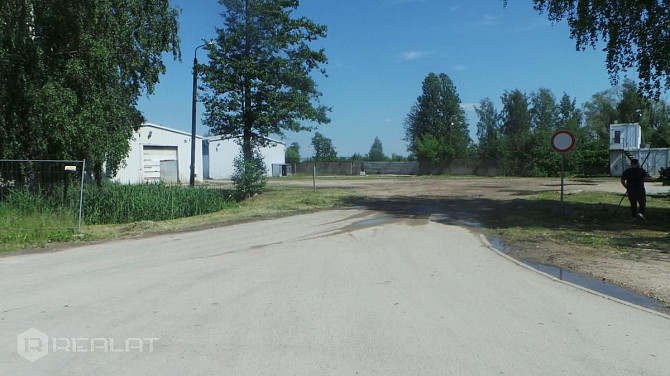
(293, 154)
(258, 79)
(636, 35)
(324, 151)
(625, 104)
(437, 113)
(488, 129)
(376, 153)
(71, 73)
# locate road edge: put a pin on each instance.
(500, 253)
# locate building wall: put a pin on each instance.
(625, 144)
(222, 153)
(652, 160)
(629, 136)
(131, 170)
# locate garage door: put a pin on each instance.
(153, 157)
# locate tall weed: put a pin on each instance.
(116, 203)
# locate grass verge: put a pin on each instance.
(275, 202)
(592, 222)
(21, 230)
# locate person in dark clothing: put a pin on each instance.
(633, 180)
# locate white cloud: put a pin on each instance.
(413, 55)
(460, 67)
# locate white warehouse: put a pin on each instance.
(159, 153)
(219, 152)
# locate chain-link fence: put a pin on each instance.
(41, 194)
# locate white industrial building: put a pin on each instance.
(626, 144)
(219, 152)
(159, 153)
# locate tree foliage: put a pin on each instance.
(515, 128)
(258, 79)
(324, 151)
(636, 35)
(488, 130)
(438, 121)
(431, 149)
(376, 153)
(71, 73)
(249, 175)
(292, 154)
(519, 136)
(544, 120)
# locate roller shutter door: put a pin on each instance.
(153, 157)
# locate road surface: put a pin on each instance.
(348, 292)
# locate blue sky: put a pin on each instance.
(380, 51)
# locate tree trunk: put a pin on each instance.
(247, 150)
(97, 173)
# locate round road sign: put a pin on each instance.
(562, 141)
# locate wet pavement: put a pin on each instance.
(590, 283)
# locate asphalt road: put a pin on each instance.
(345, 292)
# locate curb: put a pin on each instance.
(488, 245)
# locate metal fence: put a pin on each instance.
(42, 186)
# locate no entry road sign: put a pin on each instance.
(562, 141)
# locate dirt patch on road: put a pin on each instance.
(485, 204)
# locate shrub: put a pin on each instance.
(249, 177)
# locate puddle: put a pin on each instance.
(371, 222)
(590, 283)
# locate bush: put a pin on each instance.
(249, 177)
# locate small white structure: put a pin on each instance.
(625, 136)
(158, 153)
(219, 152)
(626, 144)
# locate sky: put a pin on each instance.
(380, 51)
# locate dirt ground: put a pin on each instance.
(473, 201)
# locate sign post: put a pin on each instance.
(562, 141)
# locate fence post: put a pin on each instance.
(314, 177)
(81, 195)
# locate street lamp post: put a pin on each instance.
(193, 105)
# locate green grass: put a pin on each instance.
(115, 211)
(277, 201)
(592, 222)
(33, 228)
